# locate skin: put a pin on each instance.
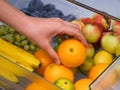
(38, 30)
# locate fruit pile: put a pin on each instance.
(101, 33)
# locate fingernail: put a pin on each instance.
(58, 61)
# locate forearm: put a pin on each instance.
(11, 15)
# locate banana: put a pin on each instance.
(25, 66)
(17, 54)
(13, 67)
(8, 75)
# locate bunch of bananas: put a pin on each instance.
(10, 53)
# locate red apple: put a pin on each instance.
(116, 27)
(86, 20)
(109, 41)
(92, 33)
(79, 23)
(101, 21)
(90, 50)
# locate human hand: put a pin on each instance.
(43, 30)
(39, 30)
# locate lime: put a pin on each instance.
(64, 84)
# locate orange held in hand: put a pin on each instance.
(72, 53)
(54, 72)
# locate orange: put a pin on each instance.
(34, 86)
(45, 60)
(72, 52)
(83, 84)
(54, 72)
(97, 70)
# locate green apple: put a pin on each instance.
(109, 41)
(64, 84)
(86, 66)
(90, 50)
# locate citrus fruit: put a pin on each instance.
(83, 84)
(44, 58)
(97, 70)
(103, 56)
(64, 84)
(34, 86)
(72, 52)
(86, 66)
(54, 72)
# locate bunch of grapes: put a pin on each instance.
(37, 8)
(9, 34)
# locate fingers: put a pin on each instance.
(73, 30)
(51, 52)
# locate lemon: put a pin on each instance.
(103, 56)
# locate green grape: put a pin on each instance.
(17, 37)
(9, 37)
(1, 30)
(32, 47)
(17, 43)
(11, 40)
(23, 37)
(26, 47)
(11, 30)
(24, 42)
(7, 31)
